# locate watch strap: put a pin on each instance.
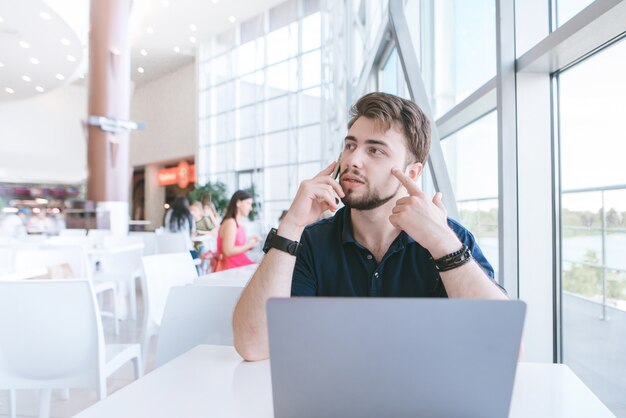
(280, 243)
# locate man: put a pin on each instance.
(389, 240)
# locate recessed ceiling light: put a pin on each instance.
(192, 39)
(165, 3)
(71, 58)
(45, 16)
(1, 20)
(177, 49)
(231, 19)
(149, 30)
(143, 52)
(215, 1)
(34, 60)
(193, 28)
(1, 65)
(24, 44)
(65, 42)
(26, 78)
(140, 70)
(39, 89)
(9, 90)
(60, 76)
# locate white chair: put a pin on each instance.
(6, 260)
(171, 242)
(196, 315)
(162, 272)
(52, 338)
(149, 241)
(46, 257)
(73, 232)
(120, 261)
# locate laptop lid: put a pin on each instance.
(400, 357)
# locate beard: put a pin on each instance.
(370, 200)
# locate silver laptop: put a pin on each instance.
(388, 357)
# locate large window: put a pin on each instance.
(472, 160)
(261, 104)
(592, 104)
(464, 49)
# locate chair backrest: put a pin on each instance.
(6, 260)
(73, 232)
(124, 257)
(149, 241)
(163, 271)
(48, 257)
(196, 315)
(51, 334)
(171, 242)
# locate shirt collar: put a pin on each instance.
(347, 233)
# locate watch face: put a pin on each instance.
(268, 240)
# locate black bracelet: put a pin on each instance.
(453, 260)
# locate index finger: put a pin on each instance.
(407, 182)
(327, 171)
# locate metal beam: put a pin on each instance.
(408, 58)
(599, 23)
(507, 147)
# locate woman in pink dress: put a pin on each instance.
(231, 237)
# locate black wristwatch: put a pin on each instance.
(274, 240)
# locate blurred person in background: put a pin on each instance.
(179, 219)
(40, 223)
(211, 212)
(231, 238)
(204, 224)
(13, 225)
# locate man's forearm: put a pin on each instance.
(471, 282)
(272, 279)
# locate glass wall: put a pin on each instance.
(261, 104)
(592, 109)
(471, 157)
(464, 50)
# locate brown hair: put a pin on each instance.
(389, 111)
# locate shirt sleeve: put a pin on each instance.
(303, 282)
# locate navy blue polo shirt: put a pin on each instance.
(332, 263)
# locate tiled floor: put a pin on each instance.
(130, 332)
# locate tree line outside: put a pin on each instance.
(581, 277)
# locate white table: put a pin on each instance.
(239, 276)
(213, 381)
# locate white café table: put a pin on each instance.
(238, 276)
(213, 381)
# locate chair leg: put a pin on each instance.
(138, 366)
(12, 404)
(44, 403)
(65, 394)
(116, 319)
(132, 294)
(148, 332)
(102, 388)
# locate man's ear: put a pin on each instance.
(414, 170)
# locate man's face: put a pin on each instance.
(366, 163)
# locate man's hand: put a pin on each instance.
(426, 221)
(314, 197)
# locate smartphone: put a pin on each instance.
(337, 169)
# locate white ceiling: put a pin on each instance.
(43, 24)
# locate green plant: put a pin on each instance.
(584, 279)
(256, 203)
(211, 192)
